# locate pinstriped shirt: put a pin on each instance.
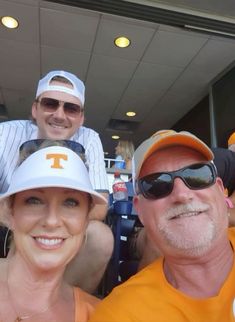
(14, 133)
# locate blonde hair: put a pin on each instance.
(126, 149)
(6, 211)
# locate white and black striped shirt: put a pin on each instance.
(14, 133)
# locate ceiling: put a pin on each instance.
(165, 72)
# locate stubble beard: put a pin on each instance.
(188, 239)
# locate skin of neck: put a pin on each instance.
(198, 277)
(45, 286)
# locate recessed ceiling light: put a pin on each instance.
(115, 137)
(9, 22)
(131, 114)
(122, 42)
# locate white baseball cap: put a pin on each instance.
(78, 89)
(163, 139)
(53, 166)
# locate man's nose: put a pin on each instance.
(59, 113)
(180, 192)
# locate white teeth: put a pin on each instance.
(187, 214)
(49, 242)
(58, 126)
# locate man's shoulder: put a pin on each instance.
(14, 123)
(150, 277)
(19, 130)
(141, 294)
(85, 136)
(23, 124)
(83, 130)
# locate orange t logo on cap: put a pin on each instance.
(57, 157)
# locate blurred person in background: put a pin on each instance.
(124, 152)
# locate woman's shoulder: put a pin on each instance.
(85, 304)
(128, 164)
(83, 296)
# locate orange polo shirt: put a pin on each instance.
(148, 297)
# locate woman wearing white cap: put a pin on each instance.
(47, 207)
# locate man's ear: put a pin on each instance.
(82, 119)
(34, 110)
(220, 184)
(136, 203)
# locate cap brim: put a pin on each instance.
(54, 182)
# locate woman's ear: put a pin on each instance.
(6, 212)
(11, 223)
(91, 207)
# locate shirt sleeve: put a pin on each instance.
(96, 164)
(12, 135)
(225, 164)
(10, 139)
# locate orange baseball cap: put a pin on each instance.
(166, 138)
(231, 139)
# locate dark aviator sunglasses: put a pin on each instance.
(31, 146)
(195, 176)
(51, 105)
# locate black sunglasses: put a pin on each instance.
(51, 105)
(29, 147)
(159, 185)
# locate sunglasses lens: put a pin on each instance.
(49, 104)
(198, 176)
(71, 108)
(156, 186)
(159, 185)
(29, 147)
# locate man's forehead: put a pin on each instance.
(169, 157)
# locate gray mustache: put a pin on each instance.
(185, 208)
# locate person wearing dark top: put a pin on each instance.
(225, 163)
(224, 160)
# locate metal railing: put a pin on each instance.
(110, 162)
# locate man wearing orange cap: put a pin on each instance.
(181, 203)
(224, 160)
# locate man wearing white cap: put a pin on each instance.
(181, 203)
(58, 113)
